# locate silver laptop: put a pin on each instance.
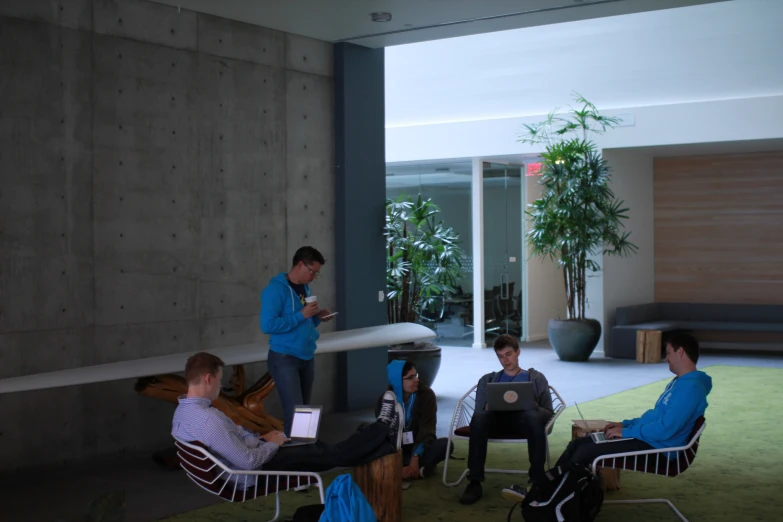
(304, 428)
(510, 396)
(599, 437)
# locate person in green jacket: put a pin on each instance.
(422, 450)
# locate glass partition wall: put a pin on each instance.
(502, 249)
(448, 185)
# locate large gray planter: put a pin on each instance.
(425, 356)
(574, 340)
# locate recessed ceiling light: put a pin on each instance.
(381, 17)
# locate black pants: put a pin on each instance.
(367, 443)
(494, 424)
(434, 453)
(584, 451)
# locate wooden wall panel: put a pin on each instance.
(719, 228)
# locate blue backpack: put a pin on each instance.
(345, 502)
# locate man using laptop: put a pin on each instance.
(527, 423)
(196, 420)
(668, 424)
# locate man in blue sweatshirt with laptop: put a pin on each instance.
(669, 424)
(290, 315)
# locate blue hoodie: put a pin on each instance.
(670, 423)
(345, 502)
(281, 318)
(394, 375)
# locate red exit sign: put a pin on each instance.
(533, 169)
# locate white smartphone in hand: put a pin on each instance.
(330, 315)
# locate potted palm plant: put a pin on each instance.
(576, 217)
(423, 267)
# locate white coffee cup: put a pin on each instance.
(311, 299)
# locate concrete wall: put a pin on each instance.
(158, 167)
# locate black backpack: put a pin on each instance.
(571, 496)
(309, 513)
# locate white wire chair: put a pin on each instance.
(668, 462)
(213, 476)
(460, 429)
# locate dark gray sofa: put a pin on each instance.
(671, 317)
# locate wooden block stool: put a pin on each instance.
(381, 482)
(648, 346)
(610, 476)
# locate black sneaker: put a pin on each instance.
(388, 410)
(514, 493)
(396, 426)
(425, 472)
(472, 493)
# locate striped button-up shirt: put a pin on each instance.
(196, 420)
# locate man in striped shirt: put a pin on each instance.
(196, 420)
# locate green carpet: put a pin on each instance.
(735, 475)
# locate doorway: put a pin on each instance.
(503, 186)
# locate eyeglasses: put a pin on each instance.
(315, 274)
(411, 377)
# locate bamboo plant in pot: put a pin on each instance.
(423, 267)
(576, 218)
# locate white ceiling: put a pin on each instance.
(413, 20)
(716, 51)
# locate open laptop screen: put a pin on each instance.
(305, 423)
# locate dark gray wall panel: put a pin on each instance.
(360, 189)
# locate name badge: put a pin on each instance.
(407, 437)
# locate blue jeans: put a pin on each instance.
(294, 382)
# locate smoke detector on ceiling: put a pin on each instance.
(381, 17)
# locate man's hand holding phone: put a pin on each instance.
(325, 315)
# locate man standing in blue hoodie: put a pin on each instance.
(291, 323)
(669, 424)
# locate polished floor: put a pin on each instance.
(151, 492)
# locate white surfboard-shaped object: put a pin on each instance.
(331, 342)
